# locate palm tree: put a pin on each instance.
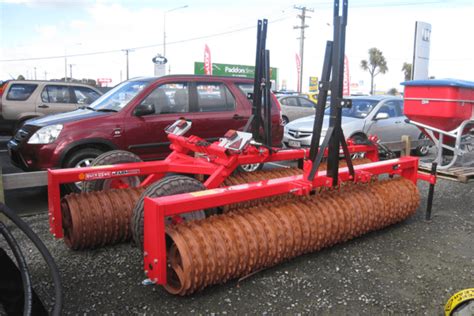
(406, 68)
(376, 64)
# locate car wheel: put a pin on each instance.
(284, 120)
(171, 185)
(359, 139)
(250, 167)
(19, 125)
(422, 150)
(113, 157)
(79, 159)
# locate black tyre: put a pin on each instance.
(113, 157)
(79, 159)
(176, 184)
(359, 139)
(19, 125)
(422, 150)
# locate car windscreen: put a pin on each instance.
(118, 97)
(360, 108)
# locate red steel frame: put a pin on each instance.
(156, 209)
(212, 160)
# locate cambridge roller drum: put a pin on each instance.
(96, 219)
(214, 250)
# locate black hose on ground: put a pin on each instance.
(23, 267)
(44, 252)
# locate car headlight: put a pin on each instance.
(46, 135)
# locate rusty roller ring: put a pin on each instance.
(371, 199)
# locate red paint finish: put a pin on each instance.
(442, 107)
(213, 160)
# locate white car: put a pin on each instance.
(294, 107)
(374, 115)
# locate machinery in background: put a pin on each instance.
(444, 111)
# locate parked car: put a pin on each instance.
(371, 115)
(294, 107)
(22, 100)
(132, 117)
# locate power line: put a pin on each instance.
(141, 47)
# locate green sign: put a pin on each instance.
(230, 70)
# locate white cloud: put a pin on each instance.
(47, 31)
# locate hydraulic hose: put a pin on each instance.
(23, 267)
(44, 252)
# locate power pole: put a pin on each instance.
(302, 26)
(127, 51)
(35, 72)
(70, 71)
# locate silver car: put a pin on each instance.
(372, 115)
(294, 107)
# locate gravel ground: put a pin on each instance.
(409, 268)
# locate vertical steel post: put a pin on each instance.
(429, 206)
(322, 98)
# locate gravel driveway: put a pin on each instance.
(410, 268)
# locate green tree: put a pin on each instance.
(375, 65)
(20, 77)
(406, 68)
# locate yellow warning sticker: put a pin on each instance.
(204, 193)
(458, 298)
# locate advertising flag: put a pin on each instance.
(207, 61)
(298, 70)
(346, 88)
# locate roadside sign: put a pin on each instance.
(104, 80)
(232, 70)
(313, 84)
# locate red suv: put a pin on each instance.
(132, 117)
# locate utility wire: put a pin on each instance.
(142, 47)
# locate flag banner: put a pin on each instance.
(298, 70)
(207, 61)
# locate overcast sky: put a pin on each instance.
(36, 29)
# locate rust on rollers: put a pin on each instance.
(228, 246)
(96, 219)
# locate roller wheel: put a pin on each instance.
(176, 184)
(113, 157)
